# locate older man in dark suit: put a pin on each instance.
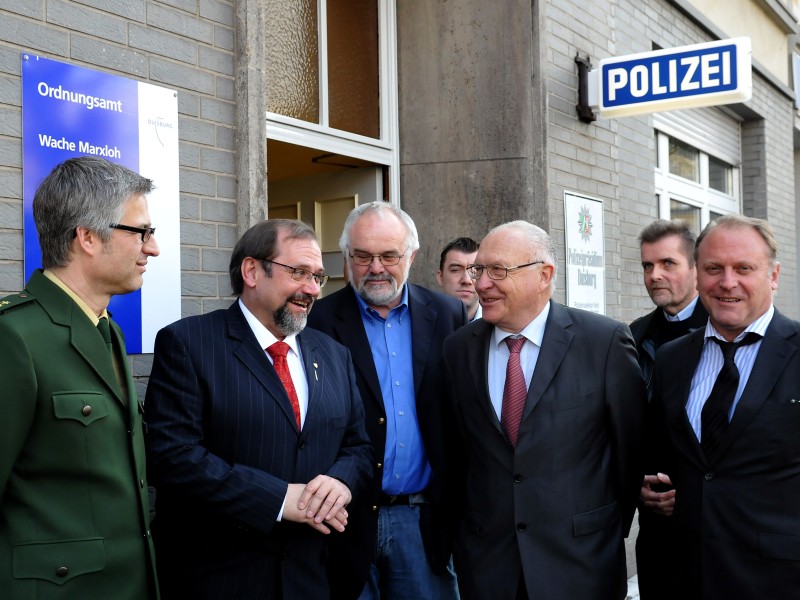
(256, 432)
(726, 416)
(395, 332)
(550, 403)
(74, 513)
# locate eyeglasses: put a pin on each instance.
(301, 274)
(496, 272)
(145, 232)
(363, 259)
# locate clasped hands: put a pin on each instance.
(320, 503)
(661, 502)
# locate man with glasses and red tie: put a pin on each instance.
(550, 406)
(400, 538)
(74, 510)
(256, 441)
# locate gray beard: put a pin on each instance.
(286, 322)
(375, 298)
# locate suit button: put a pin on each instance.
(301, 445)
(381, 421)
(708, 476)
(521, 526)
(379, 465)
(86, 411)
(374, 508)
(517, 478)
(62, 572)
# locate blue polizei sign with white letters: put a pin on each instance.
(699, 75)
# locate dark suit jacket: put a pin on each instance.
(74, 511)
(737, 514)
(656, 545)
(556, 508)
(434, 316)
(223, 445)
(645, 346)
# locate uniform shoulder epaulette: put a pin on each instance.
(10, 302)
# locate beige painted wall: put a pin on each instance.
(746, 18)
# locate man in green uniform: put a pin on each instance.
(73, 495)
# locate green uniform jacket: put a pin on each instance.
(73, 496)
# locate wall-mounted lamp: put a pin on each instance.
(585, 112)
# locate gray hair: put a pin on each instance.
(658, 230)
(381, 208)
(86, 192)
(541, 245)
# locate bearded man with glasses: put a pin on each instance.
(256, 438)
(400, 538)
(549, 404)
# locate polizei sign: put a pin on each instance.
(699, 75)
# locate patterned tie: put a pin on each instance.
(514, 392)
(714, 417)
(278, 352)
(105, 331)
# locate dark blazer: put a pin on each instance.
(434, 316)
(74, 511)
(737, 513)
(223, 445)
(647, 348)
(656, 545)
(556, 508)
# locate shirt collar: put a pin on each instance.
(533, 331)
(684, 314)
(77, 299)
(758, 326)
(264, 336)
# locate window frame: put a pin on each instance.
(383, 150)
(669, 186)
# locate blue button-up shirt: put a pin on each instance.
(406, 469)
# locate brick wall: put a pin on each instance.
(186, 45)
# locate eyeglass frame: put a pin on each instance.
(471, 270)
(303, 274)
(381, 258)
(145, 232)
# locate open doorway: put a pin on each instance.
(321, 188)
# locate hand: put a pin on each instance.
(320, 503)
(662, 503)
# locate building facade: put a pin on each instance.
(462, 111)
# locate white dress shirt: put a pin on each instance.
(293, 358)
(499, 354)
(710, 365)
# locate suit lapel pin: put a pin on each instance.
(315, 371)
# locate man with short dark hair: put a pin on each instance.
(401, 537)
(726, 421)
(256, 432)
(670, 276)
(452, 274)
(74, 510)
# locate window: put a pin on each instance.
(684, 160)
(693, 185)
(331, 68)
(720, 176)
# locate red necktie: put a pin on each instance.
(278, 352)
(514, 392)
